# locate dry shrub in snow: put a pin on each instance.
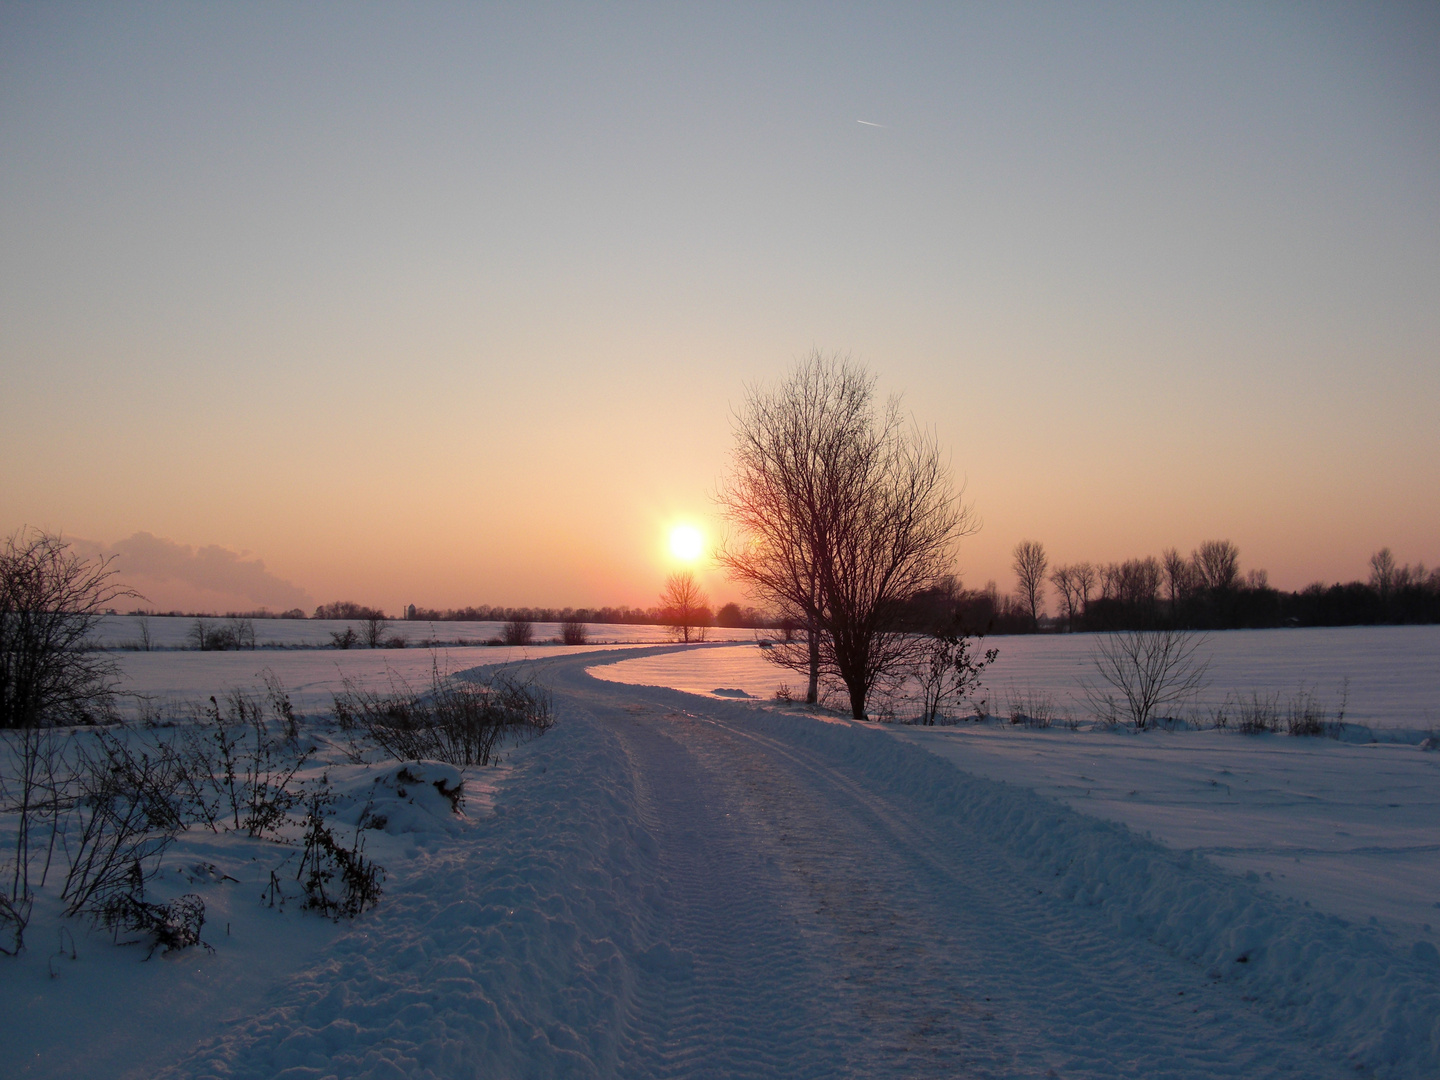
(519, 632)
(325, 860)
(1143, 672)
(461, 722)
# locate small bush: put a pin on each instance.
(1031, 709)
(344, 639)
(325, 859)
(171, 926)
(461, 722)
(573, 632)
(519, 632)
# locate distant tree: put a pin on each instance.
(1382, 574)
(1217, 565)
(730, 616)
(1063, 578)
(1084, 577)
(572, 632)
(518, 631)
(372, 629)
(685, 607)
(346, 609)
(1030, 562)
(50, 600)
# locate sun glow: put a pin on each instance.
(686, 543)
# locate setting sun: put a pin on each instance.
(686, 543)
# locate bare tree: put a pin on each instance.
(1083, 575)
(1217, 565)
(1383, 573)
(778, 497)
(372, 629)
(841, 513)
(1179, 577)
(685, 607)
(50, 600)
(1030, 563)
(1142, 672)
(1063, 578)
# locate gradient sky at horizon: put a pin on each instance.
(449, 304)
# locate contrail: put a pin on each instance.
(867, 123)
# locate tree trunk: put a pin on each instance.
(812, 692)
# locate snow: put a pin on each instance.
(173, 632)
(171, 682)
(1390, 674)
(676, 885)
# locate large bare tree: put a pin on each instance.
(840, 512)
(779, 497)
(1030, 563)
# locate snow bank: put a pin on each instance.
(507, 958)
(1338, 983)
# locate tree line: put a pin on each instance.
(1205, 590)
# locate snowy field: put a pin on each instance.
(1389, 675)
(166, 632)
(171, 683)
(670, 885)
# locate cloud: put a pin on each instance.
(181, 576)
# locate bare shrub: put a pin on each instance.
(33, 788)
(1143, 672)
(518, 632)
(948, 671)
(128, 814)
(462, 722)
(171, 926)
(1031, 709)
(325, 858)
(344, 639)
(573, 632)
(372, 630)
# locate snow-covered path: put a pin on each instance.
(679, 887)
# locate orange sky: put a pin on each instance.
(452, 307)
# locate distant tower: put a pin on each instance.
(410, 612)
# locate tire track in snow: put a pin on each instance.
(951, 960)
